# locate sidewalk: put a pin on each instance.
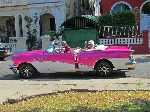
(18, 89)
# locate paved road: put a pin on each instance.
(18, 89)
(12, 87)
(142, 71)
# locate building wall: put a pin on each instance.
(107, 4)
(85, 7)
(144, 23)
(30, 8)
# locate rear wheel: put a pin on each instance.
(104, 69)
(26, 71)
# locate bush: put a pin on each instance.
(125, 19)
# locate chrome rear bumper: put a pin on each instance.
(131, 66)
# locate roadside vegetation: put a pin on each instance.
(72, 101)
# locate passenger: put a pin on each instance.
(86, 45)
(67, 48)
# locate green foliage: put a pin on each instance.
(28, 21)
(31, 32)
(98, 101)
(120, 22)
(123, 18)
(138, 105)
(105, 20)
(55, 34)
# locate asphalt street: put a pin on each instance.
(13, 88)
(142, 71)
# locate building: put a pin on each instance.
(42, 15)
(86, 7)
(141, 6)
(98, 7)
(50, 14)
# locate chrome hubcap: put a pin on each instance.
(104, 69)
(26, 72)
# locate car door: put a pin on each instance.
(61, 62)
(87, 59)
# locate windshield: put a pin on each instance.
(50, 48)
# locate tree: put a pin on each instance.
(31, 31)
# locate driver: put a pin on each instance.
(90, 44)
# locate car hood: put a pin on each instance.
(29, 54)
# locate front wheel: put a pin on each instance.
(26, 71)
(104, 69)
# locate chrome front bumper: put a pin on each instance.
(14, 69)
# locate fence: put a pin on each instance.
(122, 41)
(111, 31)
(138, 43)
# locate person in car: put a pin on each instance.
(66, 46)
(89, 45)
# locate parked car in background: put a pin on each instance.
(100, 59)
(5, 51)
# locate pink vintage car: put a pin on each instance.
(101, 59)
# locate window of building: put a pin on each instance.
(120, 7)
(146, 8)
(47, 24)
(52, 24)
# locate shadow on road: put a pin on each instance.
(67, 76)
(10, 77)
(143, 59)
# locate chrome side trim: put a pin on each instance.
(53, 66)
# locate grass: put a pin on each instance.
(72, 101)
